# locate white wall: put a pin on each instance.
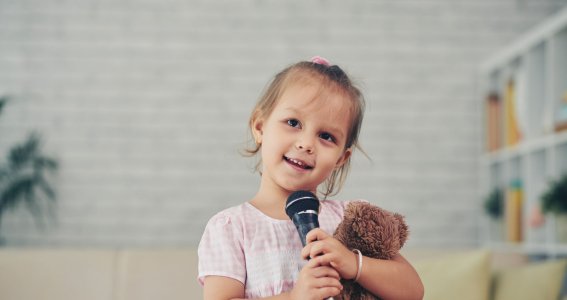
(145, 104)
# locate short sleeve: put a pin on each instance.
(336, 208)
(221, 250)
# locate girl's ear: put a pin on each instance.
(257, 129)
(344, 158)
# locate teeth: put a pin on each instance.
(297, 162)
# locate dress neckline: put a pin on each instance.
(274, 220)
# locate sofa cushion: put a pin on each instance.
(56, 274)
(158, 274)
(540, 281)
(460, 276)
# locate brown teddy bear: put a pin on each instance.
(377, 233)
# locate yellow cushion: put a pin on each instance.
(461, 276)
(540, 281)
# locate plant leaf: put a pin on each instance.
(3, 101)
(47, 190)
(23, 154)
(32, 203)
(22, 176)
(554, 200)
(15, 191)
(4, 174)
(42, 163)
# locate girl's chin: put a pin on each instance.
(294, 188)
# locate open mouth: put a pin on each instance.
(298, 163)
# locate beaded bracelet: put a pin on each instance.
(359, 270)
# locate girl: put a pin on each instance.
(305, 127)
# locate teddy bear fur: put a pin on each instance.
(376, 232)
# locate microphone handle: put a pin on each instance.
(305, 222)
(303, 229)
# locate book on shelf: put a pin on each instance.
(513, 134)
(561, 119)
(493, 122)
(513, 211)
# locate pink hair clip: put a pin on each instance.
(320, 60)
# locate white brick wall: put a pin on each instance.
(145, 104)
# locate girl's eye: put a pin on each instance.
(293, 123)
(327, 137)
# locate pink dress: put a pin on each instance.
(261, 252)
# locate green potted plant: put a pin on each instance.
(23, 178)
(494, 208)
(554, 201)
(494, 204)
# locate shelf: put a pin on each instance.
(525, 147)
(523, 89)
(529, 41)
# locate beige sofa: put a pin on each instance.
(60, 274)
(482, 274)
(121, 274)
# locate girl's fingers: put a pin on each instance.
(317, 270)
(324, 259)
(317, 248)
(329, 272)
(306, 251)
(325, 282)
(316, 234)
(319, 281)
(312, 250)
(313, 263)
(327, 292)
(319, 260)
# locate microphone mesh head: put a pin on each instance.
(301, 201)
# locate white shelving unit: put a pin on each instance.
(537, 65)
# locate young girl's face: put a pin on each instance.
(303, 139)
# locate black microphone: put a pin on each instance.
(302, 207)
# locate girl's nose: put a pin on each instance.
(305, 144)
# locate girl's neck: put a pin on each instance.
(271, 203)
(271, 199)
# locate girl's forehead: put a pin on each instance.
(315, 96)
(331, 109)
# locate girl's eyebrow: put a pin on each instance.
(337, 132)
(293, 109)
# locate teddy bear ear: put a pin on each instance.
(402, 229)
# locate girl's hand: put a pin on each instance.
(316, 282)
(328, 251)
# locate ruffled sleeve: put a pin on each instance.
(221, 251)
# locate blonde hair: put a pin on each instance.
(331, 77)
